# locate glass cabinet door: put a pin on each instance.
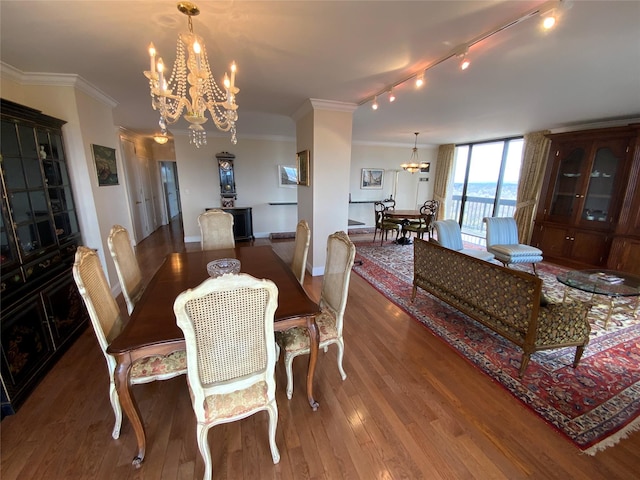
(59, 188)
(603, 178)
(25, 189)
(569, 182)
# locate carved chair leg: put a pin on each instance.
(525, 362)
(579, 352)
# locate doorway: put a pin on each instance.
(171, 189)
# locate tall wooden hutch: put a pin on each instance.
(589, 210)
(42, 311)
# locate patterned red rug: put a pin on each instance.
(594, 405)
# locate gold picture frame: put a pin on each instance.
(303, 160)
(106, 165)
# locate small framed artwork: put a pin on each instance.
(372, 179)
(303, 160)
(106, 166)
(287, 176)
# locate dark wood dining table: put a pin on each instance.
(405, 216)
(152, 328)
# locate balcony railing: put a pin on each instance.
(475, 209)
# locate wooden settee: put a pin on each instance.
(507, 301)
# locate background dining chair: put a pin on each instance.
(300, 250)
(216, 228)
(502, 241)
(107, 323)
(127, 267)
(448, 235)
(231, 353)
(333, 301)
(383, 224)
(423, 225)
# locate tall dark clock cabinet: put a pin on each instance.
(589, 210)
(42, 311)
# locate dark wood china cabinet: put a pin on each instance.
(42, 311)
(587, 200)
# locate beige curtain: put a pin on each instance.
(444, 170)
(534, 162)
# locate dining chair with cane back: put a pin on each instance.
(383, 224)
(300, 250)
(216, 228)
(333, 301)
(228, 326)
(127, 267)
(107, 323)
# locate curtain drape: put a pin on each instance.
(534, 162)
(443, 177)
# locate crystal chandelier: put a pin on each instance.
(191, 87)
(414, 165)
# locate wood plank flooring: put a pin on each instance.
(410, 408)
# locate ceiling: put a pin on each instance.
(587, 69)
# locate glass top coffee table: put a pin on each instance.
(610, 283)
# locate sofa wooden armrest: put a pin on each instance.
(505, 300)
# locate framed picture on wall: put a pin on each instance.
(287, 176)
(372, 179)
(106, 166)
(303, 160)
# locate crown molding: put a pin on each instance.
(56, 80)
(312, 104)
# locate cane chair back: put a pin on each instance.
(107, 323)
(300, 250)
(216, 229)
(231, 353)
(127, 267)
(333, 300)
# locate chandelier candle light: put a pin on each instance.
(191, 86)
(414, 165)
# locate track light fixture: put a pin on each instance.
(551, 8)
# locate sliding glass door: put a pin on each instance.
(485, 183)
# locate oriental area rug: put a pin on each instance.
(593, 406)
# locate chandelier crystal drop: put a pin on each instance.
(414, 165)
(191, 88)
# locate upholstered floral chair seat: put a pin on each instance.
(156, 366)
(235, 404)
(296, 339)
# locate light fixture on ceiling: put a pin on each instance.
(374, 105)
(549, 20)
(557, 7)
(161, 138)
(392, 96)
(191, 87)
(414, 165)
(464, 55)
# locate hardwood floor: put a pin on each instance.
(410, 408)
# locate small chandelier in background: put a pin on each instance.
(192, 88)
(414, 165)
(161, 138)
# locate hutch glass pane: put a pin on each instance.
(601, 182)
(10, 145)
(27, 141)
(32, 171)
(13, 177)
(568, 183)
(20, 206)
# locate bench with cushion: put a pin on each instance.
(505, 300)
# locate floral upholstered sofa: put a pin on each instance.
(507, 301)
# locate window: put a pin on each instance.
(485, 183)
